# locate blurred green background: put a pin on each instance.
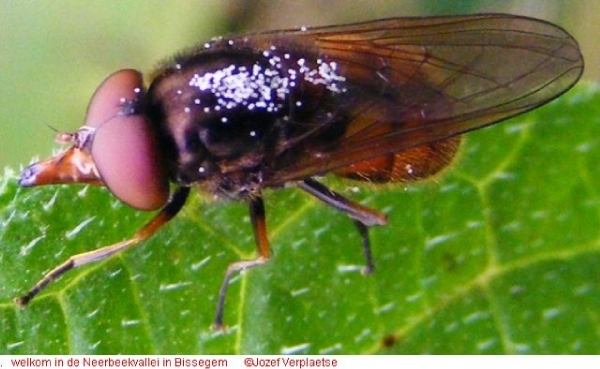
(54, 53)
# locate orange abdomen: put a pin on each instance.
(414, 164)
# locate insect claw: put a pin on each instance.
(219, 327)
(367, 269)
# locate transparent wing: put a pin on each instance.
(417, 80)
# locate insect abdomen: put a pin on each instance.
(415, 164)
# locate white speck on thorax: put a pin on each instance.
(264, 87)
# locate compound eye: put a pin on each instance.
(124, 146)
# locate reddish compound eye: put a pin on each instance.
(124, 146)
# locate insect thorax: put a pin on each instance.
(226, 115)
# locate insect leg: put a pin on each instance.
(363, 217)
(363, 230)
(259, 225)
(167, 213)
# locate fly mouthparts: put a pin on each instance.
(27, 178)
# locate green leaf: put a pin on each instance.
(501, 254)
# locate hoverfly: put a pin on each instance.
(380, 101)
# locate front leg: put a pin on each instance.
(167, 213)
